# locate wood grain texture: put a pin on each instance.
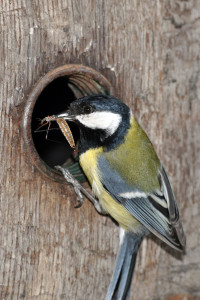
(150, 51)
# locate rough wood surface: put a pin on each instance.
(150, 51)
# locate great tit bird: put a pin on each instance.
(128, 180)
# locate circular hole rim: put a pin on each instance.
(65, 70)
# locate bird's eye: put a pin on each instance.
(88, 109)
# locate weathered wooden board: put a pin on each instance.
(150, 51)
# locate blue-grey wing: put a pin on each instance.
(157, 210)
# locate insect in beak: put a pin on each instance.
(64, 127)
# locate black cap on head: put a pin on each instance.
(98, 103)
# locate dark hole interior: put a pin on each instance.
(50, 144)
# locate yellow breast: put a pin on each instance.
(88, 162)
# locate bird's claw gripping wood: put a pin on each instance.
(79, 190)
(70, 179)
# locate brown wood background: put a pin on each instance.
(150, 51)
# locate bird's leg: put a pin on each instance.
(70, 179)
(79, 190)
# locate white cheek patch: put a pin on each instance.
(104, 120)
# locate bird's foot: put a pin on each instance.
(79, 190)
(70, 179)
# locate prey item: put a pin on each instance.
(64, 127)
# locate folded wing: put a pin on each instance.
(157, 210)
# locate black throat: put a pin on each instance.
(90, 138)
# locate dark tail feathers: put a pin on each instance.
(119, 288)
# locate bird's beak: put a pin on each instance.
(65, 116)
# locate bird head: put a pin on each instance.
(99, 117)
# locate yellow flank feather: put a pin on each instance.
(88, 162)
